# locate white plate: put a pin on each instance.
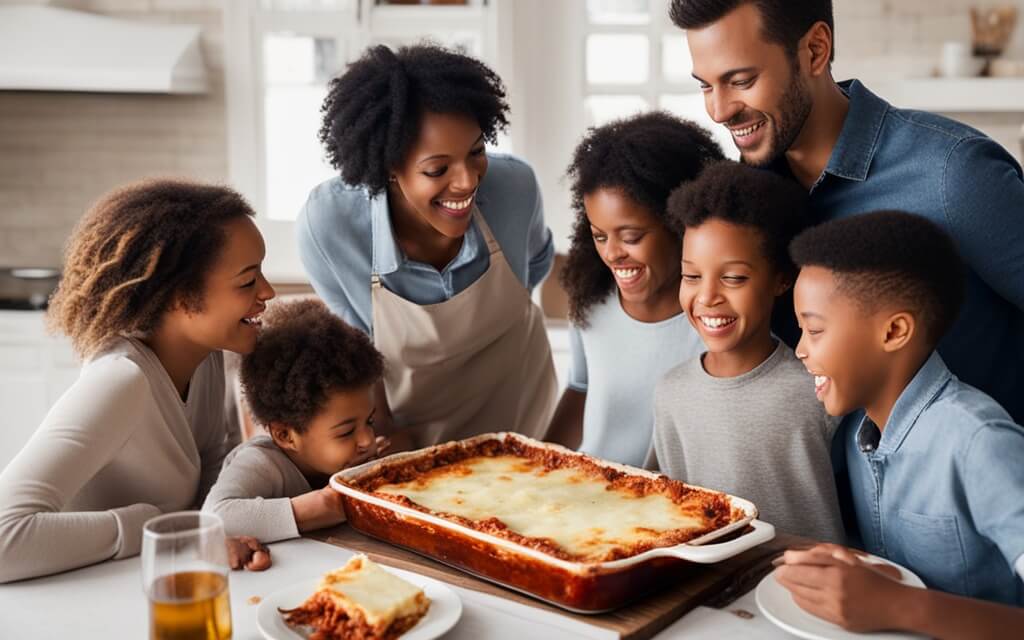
(445, 608)
(776, 603)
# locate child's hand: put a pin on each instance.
(318, 509)
(247, 552)
(833, 583)
(852, 557)
(383, 444)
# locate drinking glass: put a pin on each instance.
(185, 577)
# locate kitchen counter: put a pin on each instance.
(106, 600)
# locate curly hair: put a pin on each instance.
(743, 195)
(372, 112)
(644, 157)
(785, 21)
(304, 353)
(889, 257)
(140, 250)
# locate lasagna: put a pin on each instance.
(360, 601)
(563, 504)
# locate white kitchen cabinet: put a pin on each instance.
(35, 369)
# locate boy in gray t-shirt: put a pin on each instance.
(743, 418)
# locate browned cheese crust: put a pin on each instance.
(713, 508)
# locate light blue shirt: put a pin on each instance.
(345, 236)
(942, 490)
(963, 181)
(617, 361)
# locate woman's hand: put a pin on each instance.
(247, 552)
(833, 583)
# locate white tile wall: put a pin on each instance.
(60, 151)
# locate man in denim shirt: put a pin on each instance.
(935, 464)
(765, 68)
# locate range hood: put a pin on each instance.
(50, 49)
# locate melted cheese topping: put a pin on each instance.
(577, 511)
(361, 587)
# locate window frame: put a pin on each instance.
(656, 29)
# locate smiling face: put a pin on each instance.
(642, 254)
(340, 435)
(235, 293)
(839, 344)
(728, 288)
(436, 185)
(750, 85)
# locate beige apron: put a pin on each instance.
(475, 363)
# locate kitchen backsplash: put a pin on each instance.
(60, 151)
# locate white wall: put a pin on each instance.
(546, 85)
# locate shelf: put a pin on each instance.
(954, 95)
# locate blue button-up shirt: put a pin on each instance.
(345, 236)
(941, 491)
(888, 158)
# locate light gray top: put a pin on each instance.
(119, 447)
(253, 493)
(762, 436)
(617, 361)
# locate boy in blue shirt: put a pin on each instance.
(935, 465)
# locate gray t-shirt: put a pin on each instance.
(617, 361)
(762, 436)
(253, 493)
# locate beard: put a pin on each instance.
(795, 107)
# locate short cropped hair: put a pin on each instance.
(785, 21)
(745, 196)
(889, 257)
(304, 353)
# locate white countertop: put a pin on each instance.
(106, 601)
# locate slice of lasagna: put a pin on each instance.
(360, 601)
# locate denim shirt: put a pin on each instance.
(888, 158)
(941, 491)
(345, 235)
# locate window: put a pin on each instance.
(296, 72)
(637, 60)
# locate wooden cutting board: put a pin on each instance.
(714, 585)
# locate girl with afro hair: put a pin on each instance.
(431, 245)
(160, 277)
(622, 277)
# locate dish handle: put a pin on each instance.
(716, 552)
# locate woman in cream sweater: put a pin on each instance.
(160, 277)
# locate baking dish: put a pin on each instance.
(580, 586)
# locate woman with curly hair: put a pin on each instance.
(414, 246)
(622, 276)
(159, 278)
